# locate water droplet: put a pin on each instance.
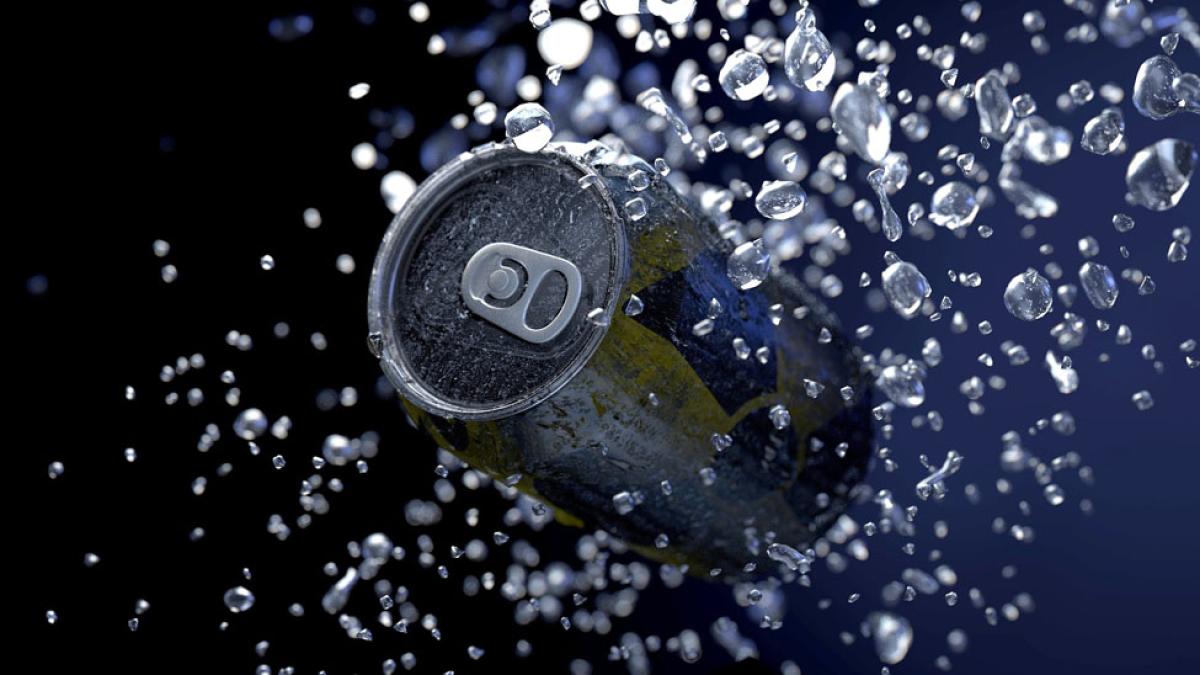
(635, 208)
(780, 199)
(1099, 284)
(634, 306)
(564, 44)
(1039, 141)
(395, 187)
(744, 75)
(1028, 296)
(808, 58)
(529, 126)
(905, 287)
(250, 424)
(1104, 133)
(994, 106)
(788, 556)
(893, 636)
(741, 349)
(339, 450)
(904, 385)
(1122, 222)
(954, 205)
(862, 119)
(1122, 20)
(749, 264)
(780, 417)
(1023, 105)
(1177, 252)
(672, 11)
(1142, 400)
(1160, 173)
(239, 599)
(1028, 201)
(1054, 494)
(1065, 377)
(652, 100)
(1169, 42)
(892, 228)
(1153, 93)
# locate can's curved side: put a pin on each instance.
(641, 416)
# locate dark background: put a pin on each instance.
(188, 122)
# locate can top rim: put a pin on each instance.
(403, 234)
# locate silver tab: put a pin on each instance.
(487, 276)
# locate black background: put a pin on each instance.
(187, 122)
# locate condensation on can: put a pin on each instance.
(619, 404)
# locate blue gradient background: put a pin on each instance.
(1116, 591)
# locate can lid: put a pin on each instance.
(484, 294)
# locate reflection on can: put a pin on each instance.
(558, 316)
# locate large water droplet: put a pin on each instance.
(1029, 201)
(994, 105)
(239, 599)
(1153, 93)
(1040, 141)
(744, 75)
(780, 199)
(954, 205)
(250, 424)
(862, 119)
(808, 57)
(905, 287)
(1099, 285)
(903, 385)
(1103, 133)
(895, 171)
(565, 42)
(1160, 173)
(396, 187)
(893, 636)
(672, 11)
(749, 264)
(625, 7)
(782, 553)
(1121, 22)
(529, 126)
(1028, 296)
(1065, 377)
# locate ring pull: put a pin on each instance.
(486, 276)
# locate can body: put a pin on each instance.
(639, 417)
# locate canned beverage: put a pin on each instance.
(562, 317)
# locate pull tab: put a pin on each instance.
(486, 276)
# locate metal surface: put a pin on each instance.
(624, 438)
(492, 275)
(437, 350)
